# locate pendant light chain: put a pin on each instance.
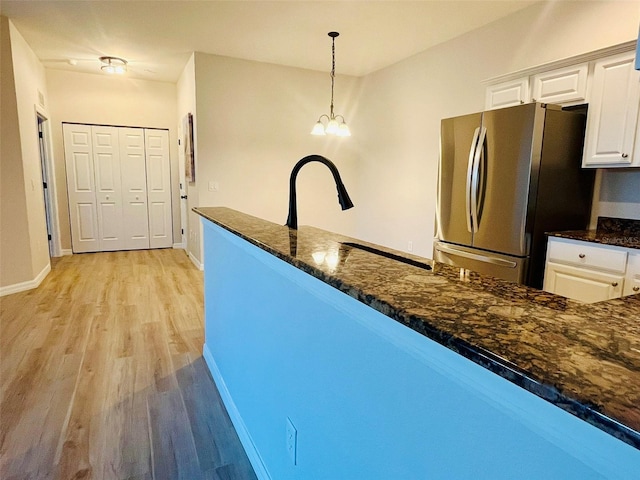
(333, 71)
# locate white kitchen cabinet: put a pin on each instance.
(590, 272)
(560, 86)
(582, 284)
(632, 280)
(507, 94)
(612, 120)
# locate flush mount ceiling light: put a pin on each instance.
(333, 126)
(113, 65)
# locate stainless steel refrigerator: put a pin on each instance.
(506, 177)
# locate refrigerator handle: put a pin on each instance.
(475, 179)
(472, 152)
(474, 256)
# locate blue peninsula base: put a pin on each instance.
(321, 386)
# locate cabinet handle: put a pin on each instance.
(581, 255)
(614, 284)
(625, 155)
(636, 289)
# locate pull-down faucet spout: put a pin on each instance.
(343, 196)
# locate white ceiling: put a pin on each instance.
(157, 37)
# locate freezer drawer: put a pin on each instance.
(505, 267)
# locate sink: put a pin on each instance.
(392, 256)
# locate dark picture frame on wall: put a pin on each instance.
(189, 157)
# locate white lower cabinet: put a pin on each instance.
(590, 272)
(581, 283)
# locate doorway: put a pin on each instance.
(48, 186)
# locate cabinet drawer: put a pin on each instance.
(587, 255)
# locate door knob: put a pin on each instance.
(614, 284)
(581, 255)
(636, 289)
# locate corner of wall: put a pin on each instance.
(15, 252)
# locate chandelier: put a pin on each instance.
(335, 124)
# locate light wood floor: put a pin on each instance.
(102, 375)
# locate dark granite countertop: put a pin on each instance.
(620, 232)
(583, 358)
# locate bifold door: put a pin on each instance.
(119, 187)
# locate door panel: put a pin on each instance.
(106, 157)
(134, 188)
(87, 223)
(159, 188)
(81, 188)
(455, 144)
(504, 188)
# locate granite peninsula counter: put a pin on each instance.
(584, 359)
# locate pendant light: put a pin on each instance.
(335, 123)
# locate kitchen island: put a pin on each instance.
(335, 361)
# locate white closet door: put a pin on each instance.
(78, 154)
(159, 188)
(106, 160)
(135, 219)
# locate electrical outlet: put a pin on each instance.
(410, 246)
(292, 441)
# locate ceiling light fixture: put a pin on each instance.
(113, 65)
(332, 127)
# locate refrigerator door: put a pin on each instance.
(453, 218)
(510, 150)
(501, 266)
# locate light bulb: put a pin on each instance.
(332, 127)
(343, 130)
(318, 129)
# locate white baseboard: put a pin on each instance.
(66, 251)
(28, 285)
(241, 429)
(179, 245)
(196, 262)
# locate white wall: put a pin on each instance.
(186, 88)
(253, 123)
(15, 252)
(619, 194)
(28, 84)
(398, 159)
(109, 100)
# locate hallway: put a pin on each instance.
(103, 378)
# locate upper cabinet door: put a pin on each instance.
(561, 86)
(612, 122)
(507, 94)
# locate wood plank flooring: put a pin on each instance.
(102, 375)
